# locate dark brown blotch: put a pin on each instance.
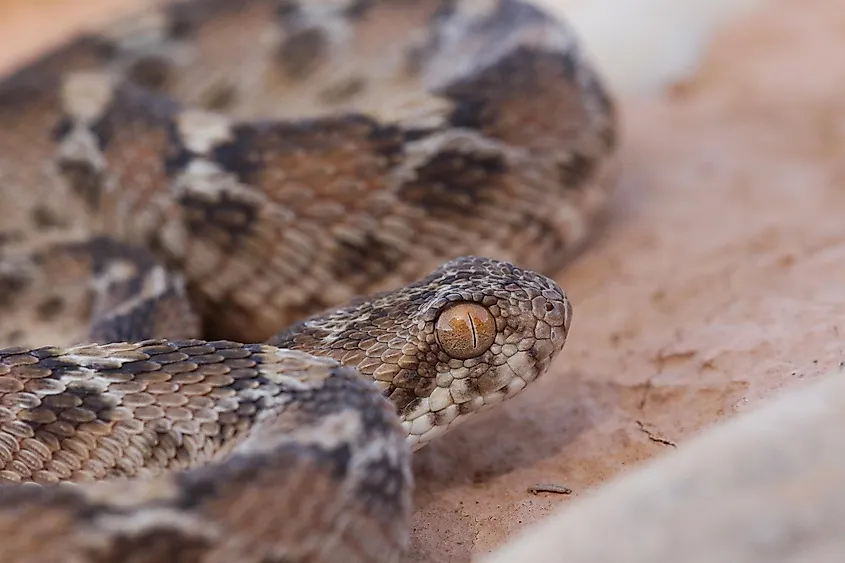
(389, 140)
(575, 170)
(62, 128)
(507, 16)
(478, 97)
(145, 320)
(46, 353)
(177, 156)
(253, 148)
(185, 19)
(104, 250)
(182, 21)
(12, 284)
(84, 180)
(50, 308)
(452, 184)
(424, 386)
(365, 260)
(132, 111)
(301, 52)
(135, 135)
(219, 96)
(157, 544)
(9, 237)
(445, 10)
(343, 91)
(402, 398)
(241, 156)
(104, 48)
(384, 487)
(150, 72)
(58, 366)
(358, 9)
(287, 10)
(227, 214)
(45, 218)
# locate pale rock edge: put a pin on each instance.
(766, 486)
(642, 46)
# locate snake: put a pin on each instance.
(255, 254)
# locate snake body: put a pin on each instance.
(319, 181)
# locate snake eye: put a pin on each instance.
(465, 330)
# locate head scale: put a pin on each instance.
(474, 332)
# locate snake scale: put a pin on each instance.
(304, 237)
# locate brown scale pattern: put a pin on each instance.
(147, 407)
(281, 425)
(208, 186)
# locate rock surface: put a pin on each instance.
(768, 486)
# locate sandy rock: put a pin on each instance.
(768, 486)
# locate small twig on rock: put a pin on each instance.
(654, 438)
(549, 488)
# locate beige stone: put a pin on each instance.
(766, 487)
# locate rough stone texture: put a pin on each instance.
(717, 282)
(768, 486)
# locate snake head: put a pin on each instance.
(484, 330)
(473, 333)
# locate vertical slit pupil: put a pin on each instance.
(472, 330)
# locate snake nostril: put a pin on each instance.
(556, 314)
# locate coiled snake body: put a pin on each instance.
(242, 172)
